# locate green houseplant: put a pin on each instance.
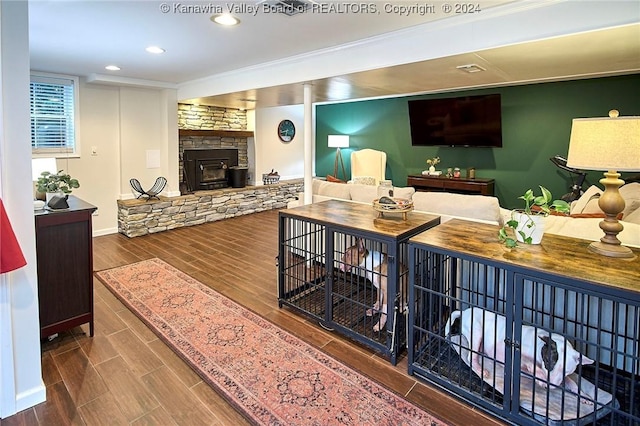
(527, 223)
(59, 182)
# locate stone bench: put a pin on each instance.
(141, 217)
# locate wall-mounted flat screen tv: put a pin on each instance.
(470, 121)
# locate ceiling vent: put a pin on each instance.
(470, 68)
(289, 7)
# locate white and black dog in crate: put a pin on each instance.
(375, 266)
(549, 357)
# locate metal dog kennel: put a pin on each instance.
(557, 287)
(315, 278)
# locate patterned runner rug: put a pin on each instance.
(269, 375)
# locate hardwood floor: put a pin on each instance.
(124, 375)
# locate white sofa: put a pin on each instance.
(580, 224)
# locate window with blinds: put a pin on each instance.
(53, 114)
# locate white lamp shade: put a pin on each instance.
(611, 143)
(338, 141)
(39, 165)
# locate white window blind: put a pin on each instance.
(53, 112)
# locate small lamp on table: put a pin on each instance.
(611, 144)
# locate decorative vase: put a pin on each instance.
(385, 189)
(432, 169)
(530, 227)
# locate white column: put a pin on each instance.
(21, 384)
(308, 143)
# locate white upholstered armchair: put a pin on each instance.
(368, 163)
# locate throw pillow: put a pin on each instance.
(633, 217)
(364, 180)
(588, 202)
(631, 194)
(331, 178)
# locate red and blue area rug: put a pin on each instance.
(268, 374)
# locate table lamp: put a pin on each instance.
(611, 144)
(337, 142)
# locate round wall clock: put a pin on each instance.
(286, 130)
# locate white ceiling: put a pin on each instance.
(82, 37)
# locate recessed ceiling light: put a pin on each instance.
(112, 68)
(155, 49)
(225, 19)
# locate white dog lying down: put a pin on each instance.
(550, 360)
(376, 266)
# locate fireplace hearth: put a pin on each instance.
(206, 169)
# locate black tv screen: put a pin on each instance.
(471, 121)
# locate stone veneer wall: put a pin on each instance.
(203, 117)
(141, 217)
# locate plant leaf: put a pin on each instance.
(561, 206)
(546, 195)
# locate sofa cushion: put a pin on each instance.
(331, 189)
(588, 202)
(481, 207)
(368, 193)
(633, 217)
(589, 229)
(631, 194)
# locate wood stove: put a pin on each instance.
(205, 169)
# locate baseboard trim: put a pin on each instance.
(31, 397)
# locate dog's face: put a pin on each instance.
(353, 256)
(559, 358)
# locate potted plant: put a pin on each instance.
(527, 223)
(56, 183)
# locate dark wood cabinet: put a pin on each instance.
(460, 185)
(64, 250)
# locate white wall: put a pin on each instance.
(270, 152)
(21, 384)
(123, 123)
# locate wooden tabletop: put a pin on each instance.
(75, 205)
(362, 217)
(557, 255)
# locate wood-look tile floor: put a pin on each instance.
(125, 375)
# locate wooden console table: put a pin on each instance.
(64, 249)
(460, 185)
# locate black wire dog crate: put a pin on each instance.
(333, 259)
(480, 313)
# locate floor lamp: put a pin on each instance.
(612, 145)
(337, 142)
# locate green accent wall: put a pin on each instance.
(536, 125)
